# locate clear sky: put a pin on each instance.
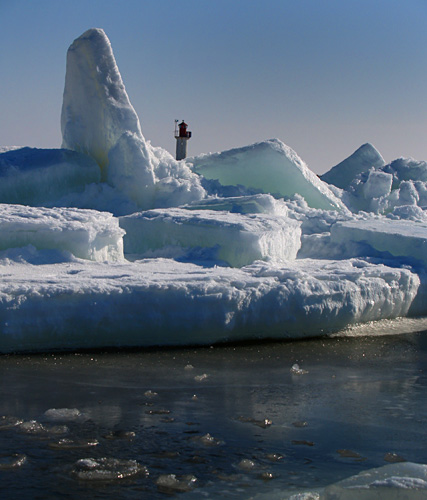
(324, 76)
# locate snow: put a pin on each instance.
(233, 238)
(110, 241)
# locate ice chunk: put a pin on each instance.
(30, 176)
(406, 480)
(236, 239)
(162, 302)
(360, 161)
(397, 238)
(379, 190)
(246, 465)
(8, 421)
(254, 204)
(9, 462)
(296, 370)
(85, 233)
(269, 167)
(73, 444)
(64, 414)
(36, 428)
(406, 169)
(409, 212)
(408, 194)
(171, 484)
(107, 469)
(377, 185)
(206, 440)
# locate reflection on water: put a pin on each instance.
(229, 421)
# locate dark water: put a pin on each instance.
(239, 421)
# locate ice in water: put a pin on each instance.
(14, 461)
(170, 483)
(64, 414)
(106, 469)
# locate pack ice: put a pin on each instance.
(109, 241)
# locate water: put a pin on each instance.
(229, 422)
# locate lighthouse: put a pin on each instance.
(181, 136)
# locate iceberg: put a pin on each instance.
(111, 242)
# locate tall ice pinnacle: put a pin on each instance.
(98, 119)
(96, 109)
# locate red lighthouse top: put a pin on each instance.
(183, 131)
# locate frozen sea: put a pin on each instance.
(231, 421)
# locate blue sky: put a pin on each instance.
(322, 76)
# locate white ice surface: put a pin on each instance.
(162, 302)
(86, 234)
(234, 238)
(269, 167)
(399, 238)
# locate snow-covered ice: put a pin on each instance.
(164, 302)
(83, 233)
(233, 238)
(399, 238)
(242, 244)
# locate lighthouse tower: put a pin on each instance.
(181, 136)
